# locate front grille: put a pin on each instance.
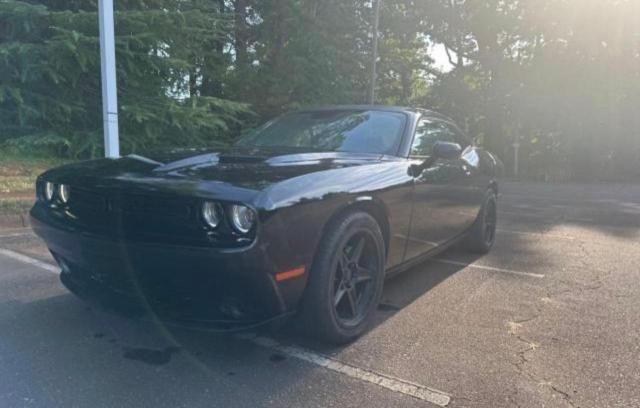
(149, 205)
(143, 217)
(88, 201)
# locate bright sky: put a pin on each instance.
(439, 55)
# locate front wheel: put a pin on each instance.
(483, 232)
(346, 279)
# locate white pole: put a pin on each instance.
(516, 158)
(108, 70)
(374, 62)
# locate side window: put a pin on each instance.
(428, 133)
(458, 136)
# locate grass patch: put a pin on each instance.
(11, 206)
(18, 174)
(24, 166)
(16, 184)
(17, 181)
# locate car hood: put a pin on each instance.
(195, 170)
(256, 168)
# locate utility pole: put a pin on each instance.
(516, 157)
(108, 71)
(374, 62)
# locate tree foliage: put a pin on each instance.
(559, 78)
(50, 91)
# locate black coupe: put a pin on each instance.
(308, 213)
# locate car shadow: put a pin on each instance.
(61, 352)
(400, 291)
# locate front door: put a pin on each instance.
(441, 193)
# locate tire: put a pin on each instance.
(346, 279)
(483, 232)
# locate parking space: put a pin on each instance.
(549, 318)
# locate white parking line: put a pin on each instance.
(489, 268)
(16, 229)
(405, 387)
(536, 234)
(472, 265)
(401, 386)
(29, 260)
(17, 234)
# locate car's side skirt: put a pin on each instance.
(408, 264)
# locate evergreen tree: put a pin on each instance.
(50, 92)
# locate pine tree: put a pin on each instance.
(50, 95)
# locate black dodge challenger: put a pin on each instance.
(308, 213)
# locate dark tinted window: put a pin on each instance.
(428, 133)
(339, 130)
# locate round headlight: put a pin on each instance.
(211, 214)
(63, 193)
(242, 218)
(49, 189)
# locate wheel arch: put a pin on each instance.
(370, 205)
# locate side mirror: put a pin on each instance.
(441, 150)
(447, 150)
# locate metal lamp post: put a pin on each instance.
(108, 71)
(374, 62)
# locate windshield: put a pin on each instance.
(358, 131)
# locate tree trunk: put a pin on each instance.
(241, 34)
(212, 80)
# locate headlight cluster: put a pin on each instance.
(63, 193)
(49, 190)
(241, 217)
(211, 214)
(56, 192)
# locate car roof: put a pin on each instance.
(402, 109)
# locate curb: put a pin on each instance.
(14, 220)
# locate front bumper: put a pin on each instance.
(180, 283)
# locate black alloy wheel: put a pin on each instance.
(354, 285)
(482, 234)
(346, 279)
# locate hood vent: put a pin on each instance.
(237, 158)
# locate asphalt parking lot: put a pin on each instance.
(549, 319)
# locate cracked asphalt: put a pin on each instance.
(550, 318)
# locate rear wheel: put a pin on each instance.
(346, 279)
(483, 232)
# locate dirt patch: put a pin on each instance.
(151, 356)
(14, 220)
